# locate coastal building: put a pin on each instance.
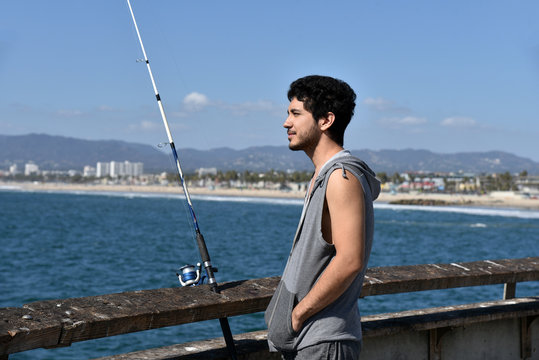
(13, 169)
(206, 171)
(31, 168)
(88, 171)
(528, 185)
(133, 169)
(116, 168)
(102, 169)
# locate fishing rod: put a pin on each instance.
(187, 271)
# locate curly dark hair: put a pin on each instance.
(323, 94)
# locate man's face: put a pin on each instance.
(302, 129)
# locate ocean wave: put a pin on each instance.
(504, 212)
(180, 196)
(247, 199)
(9, 187)
(518, 213)
(478, 225)
(216, 198)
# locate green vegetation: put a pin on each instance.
(447, 183)
(254, 177)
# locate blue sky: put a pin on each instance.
(443, 76)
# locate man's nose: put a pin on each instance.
(287, 124)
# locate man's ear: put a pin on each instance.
(326, 122)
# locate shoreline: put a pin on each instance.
(507, 201)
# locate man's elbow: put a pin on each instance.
(352, 265)
(356, 267)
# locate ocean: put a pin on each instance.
(58, 245)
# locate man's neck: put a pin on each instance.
(324, 151)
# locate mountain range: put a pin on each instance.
(63, 153)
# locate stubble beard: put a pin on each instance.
(305, 143)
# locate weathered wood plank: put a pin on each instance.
(399, 279)
(108, 315)
(449, 316)
(249, 345)
(62, 322)
(21, 330)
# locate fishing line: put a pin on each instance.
(225, 327)
(185, 207)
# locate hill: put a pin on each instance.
(63, 153)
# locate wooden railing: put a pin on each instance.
(57, 323)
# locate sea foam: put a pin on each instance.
(505, 212)
(518, 213)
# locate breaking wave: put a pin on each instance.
(518, 213)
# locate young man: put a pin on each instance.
(313, 313)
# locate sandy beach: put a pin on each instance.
(504, 200)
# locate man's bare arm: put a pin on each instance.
(346, 207)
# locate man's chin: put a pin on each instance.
(294, 147)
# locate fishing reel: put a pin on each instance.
(190, 275)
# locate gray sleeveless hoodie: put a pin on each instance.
(309, 257)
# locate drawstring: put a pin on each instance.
(343, 171)
(321, 181)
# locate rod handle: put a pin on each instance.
(206, 261)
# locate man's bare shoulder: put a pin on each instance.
(344, 185)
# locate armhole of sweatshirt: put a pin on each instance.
(324, 188)
(336, 167)
(362, 180)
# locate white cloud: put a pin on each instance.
(382, 104)
(412, 120)
(195, 101)
(378, 103)
(148, 125)
(404, 121)
(459, 121)
(69, 112)
(253, 107)
(105, 108)
(145, 126)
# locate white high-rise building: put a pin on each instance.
(88, 171)
(116, 168)
(102, 169)
(133, 169)
(128, 168)
(138, 169)
(30, 169)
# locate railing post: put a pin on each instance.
(525, 337)
(435, 344)
(509, 290)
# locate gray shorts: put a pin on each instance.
(333, 350)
